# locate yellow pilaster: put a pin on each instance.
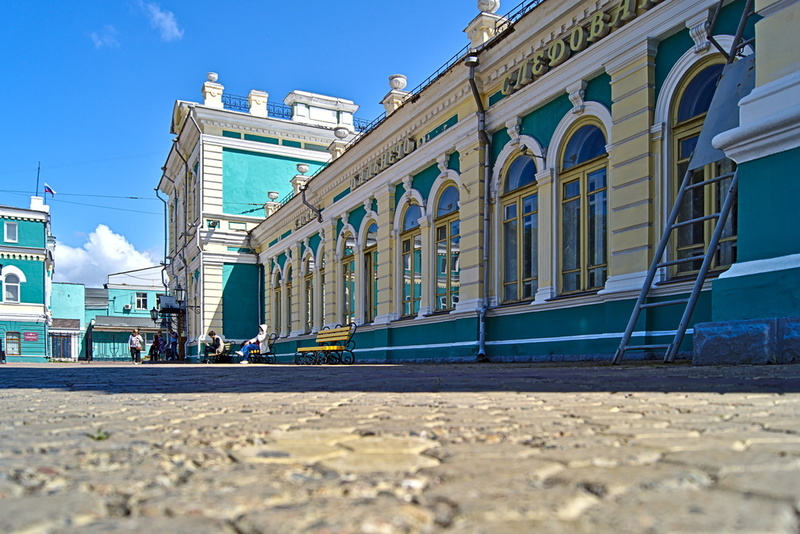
(471, 197)
(386, 252)
(631, 187)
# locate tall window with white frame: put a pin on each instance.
(584, 218)
(323, 300)
(277, 304)
(308, 288)
(11, 232)
(448, 248)
(520, 204)
(349, 280)
(11, 288)
(141, 301)
(371, 273)
(689, 113)
(411, 247)
(287, 320)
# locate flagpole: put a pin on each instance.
(38, 169)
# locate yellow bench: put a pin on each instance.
(334, 345)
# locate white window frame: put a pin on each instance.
(6, 232)
(139, 299)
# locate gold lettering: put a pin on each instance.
(598, 26)
(510, 83)
(527, 73)
(626, 10)
(558, 53)
(540, 65)
(577, 39)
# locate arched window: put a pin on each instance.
(584, 211)
(277, 302)
(371, 273)
(689, 114)
(411, 248)
(308, 288)
(520, 205)
(349, 280)
(11, 288)
(448, 248)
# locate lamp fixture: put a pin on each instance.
(180, 294)
(154, 314)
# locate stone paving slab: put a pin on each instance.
(384, 449)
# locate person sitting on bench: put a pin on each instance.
(216, 346)
(259, 342)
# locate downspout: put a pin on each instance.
(308, 204)
(164, 264)
(472, 61)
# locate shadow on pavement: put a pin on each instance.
(457, 377)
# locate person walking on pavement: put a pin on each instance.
(258, 342)
(157, 348)
(173, 345)
(135, 343)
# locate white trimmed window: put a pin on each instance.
(11, 232)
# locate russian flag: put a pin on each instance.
(48, 189)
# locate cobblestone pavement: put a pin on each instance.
(466, 448)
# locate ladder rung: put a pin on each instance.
(646, 347)
(710, 181)
(665, 303)
(697, 220)
(677, 262)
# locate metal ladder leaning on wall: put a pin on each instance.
(736, 81)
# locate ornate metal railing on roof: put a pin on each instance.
(275, 110)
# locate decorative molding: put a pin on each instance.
(577, 91)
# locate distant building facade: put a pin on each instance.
(232, 161)
(26, 256)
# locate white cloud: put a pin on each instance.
(163, 21)
(107, 37)
(103, 253)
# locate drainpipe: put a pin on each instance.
(472, 61)
(164, 264)
(308, 204)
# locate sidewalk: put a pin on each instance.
(461, 448)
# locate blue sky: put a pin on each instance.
(89, 86)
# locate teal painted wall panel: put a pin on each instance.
(590, 332)
(768, 193)
(499, 140)
(32, 290)
(113, 346)
(454, 162)
(758, 296)
(241, 289)
(247, 176)
(29, 233)
(598, 89)
(119, 298)
(342, 195)
(669, 51)
(423, 181)
(29, 350)
(357, 216)
(67, 301)
(541, 123)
